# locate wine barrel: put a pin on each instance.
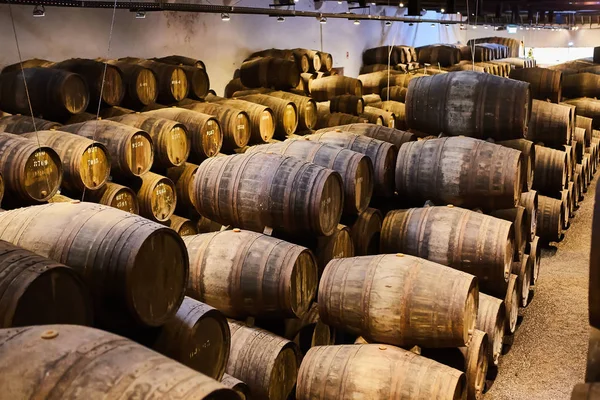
(521, 226)
(269, 72)
(205, 225)
(383, 156)
(523, 271)
(511, 305)
(338, 245)
(291, 195)
(583, 84)
(439, 55)
(397, 109)
(566, 201)
(156, 196)
(183, 226)
(169, 138)
(491, 318)
(139, 268)
(381, 55)
(571, 162)
(379, 117)
(244, 273)
(474, 104)
(579, 185)
(529, 200)
(376, 82)
(59, 198)
(326, 88)
(309, 331)
(307, 109)
(579, 143)
(232, 87)
(588, 108)
(327, 119)
(54, 94)
(69, 361)
(86, 163)
(24, 123)
(204, 130)
(582, 172)
(462, 239)
(198, 81)
(31, 173)
(550, 218)
(235, 124)
(371, 98)
(372, 371)
(114, 195)
(31, 63)
(462, 171)
(394, 93)
(394, 136)
(534, 251)
(365, 230)
(354, 291)
(197, 336)
(527, 149)
(284, 111)
(181, 60)
(262, 119)
(298, 56)
(37, 291)
(130, 148)
(347, 103)
(356, 169)
(550, 170)
(545, 84)
(141, 86)
(183, 178)
(104, 81)
(239, 387)
(173, 85)
(586, 124)
(266, 362)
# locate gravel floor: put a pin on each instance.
(549, 353)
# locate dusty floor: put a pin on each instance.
(550, 347)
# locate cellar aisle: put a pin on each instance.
(550, 348)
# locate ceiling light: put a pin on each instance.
(388, 23)
(401, 5)
(521, 28)
(280, 19)
(140, 14)
(39, 11)
(323, 20)
(527, 28)
(447, 25)
(433, 25)
(570, 44)
(411, 24)
(485, 27)
(225, 17)
(356, 22)
(474, 27)
(340, 2)
(442, 11)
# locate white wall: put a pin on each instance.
(544, 38)
(74, 32)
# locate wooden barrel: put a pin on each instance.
(183, 226)
(529, 200)
(31, 173)
(462, 239)
(579, 143)
(266, 362)
(114, 195)
(550, 170)
(327, 119)
(586, 124)
(583, 84)
(183, 178)
(156, 196)
(299, 56)
(381, 55)
(169, 138)
(534, 251)
(545, 84)
(550, 218)
(204, 130)
(104, 81)
(521, 226)
(139, 268)
(326, 88)
(356, 169)
(338, 245)
(511, 305)
(309, 331)
(54, 94)
(31, 63)
(269, 72)
(371, 98)
(588, 108)
(491, 317)
(24, 123)
(365, 230)
(566, 201)
(394, 136)
(141, 86)
(579, 186)
(307, 109)
(86, 163)
(584, 177)
(262, 119)
(37, 291)
(293, 196)
(205, 225)
(173, 85)
(394, 93)
(233, 86)
(131, 149)
(284, 111)
(244, 273)
(354, 291)
(371, 371)
(69, 361)
(397, 109)
(462, 171)
(375, 82)
(379, 117)
(383, 156)
(197, 336)
(497, 108)
(198, 81)
(527, 149)
(181, 60)
(347, 103)
(235, 124)
(321, 61)
(574, 197)
(523, 271)
(239, 387)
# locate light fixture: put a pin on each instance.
(225, 17)
(570, 44)
(447, 25)
(527, 28)
(411, 24)
(340, 2)
(388, 23)
(323, 20)
(474, 27)
(141, 14)
(433, 25)
(521, 28)
(373, 4)
(442, 11)
(401, 5)
(485, 27)
(280, 19)
(295, 1)
(356, 22)
(39, 11)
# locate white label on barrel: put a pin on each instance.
(176, 82)
(93, 161)
(93, 149)
(241, 127)
(210, 133)
(359, 180)
(265, 117)
(176, 135)
(326, 202)
(143, 84)
(160, 189)
(136, 144)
